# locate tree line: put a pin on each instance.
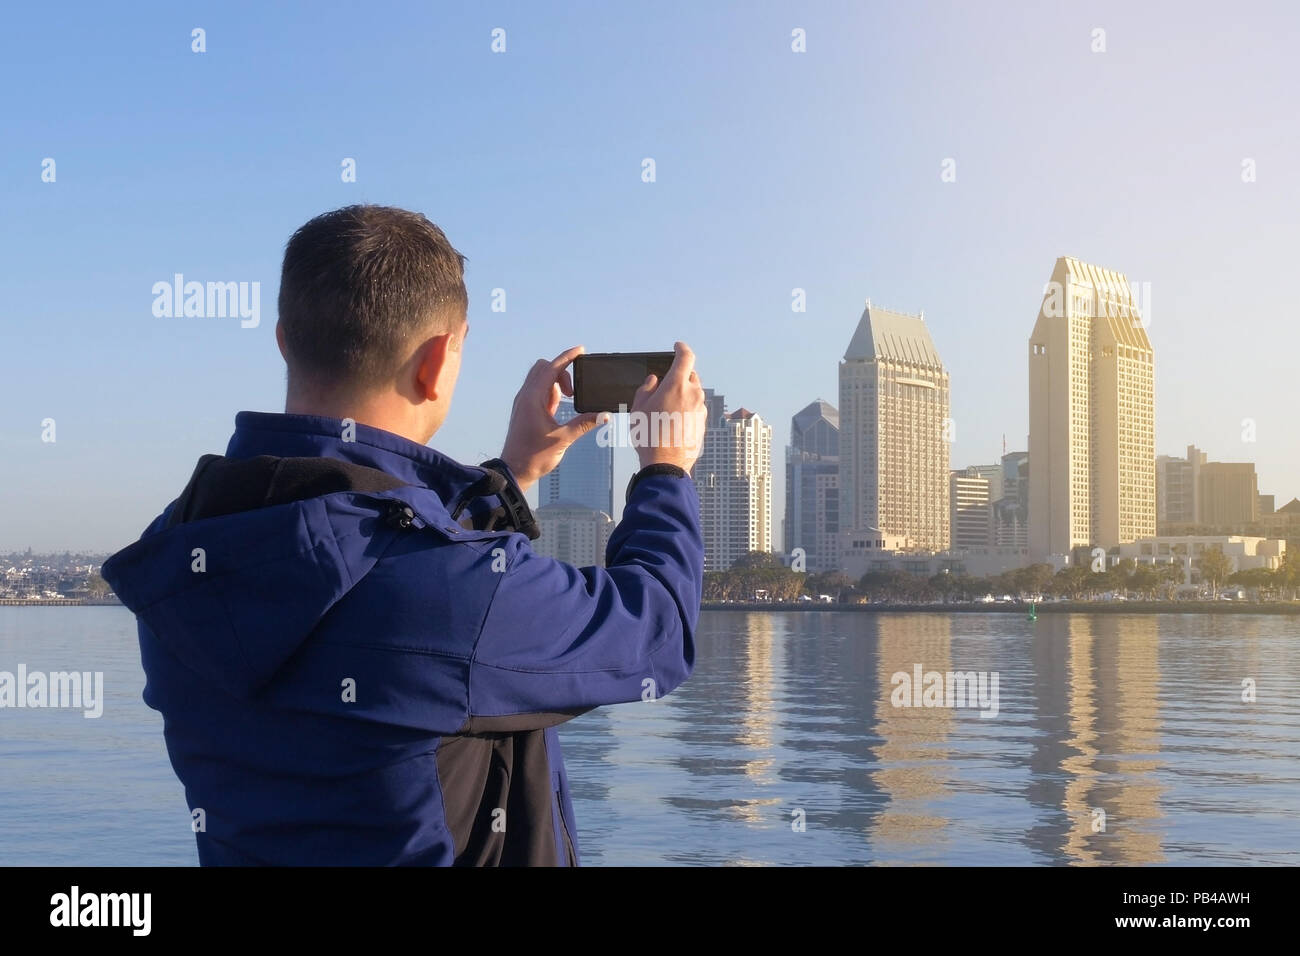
(761, 576)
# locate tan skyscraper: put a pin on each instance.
(894, 433)
(1092, 478)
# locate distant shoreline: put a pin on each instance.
(1064, 607)
(60, 602)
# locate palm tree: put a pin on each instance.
(1288, 575)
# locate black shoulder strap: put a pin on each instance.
(223, 486)
(513, 513)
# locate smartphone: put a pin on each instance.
(603, 381)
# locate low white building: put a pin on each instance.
(869, 550)
(573, 534)
(1244, 552)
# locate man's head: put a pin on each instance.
(372, 318)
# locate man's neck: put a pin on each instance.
(399, 418)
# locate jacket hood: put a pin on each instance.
(238, 571)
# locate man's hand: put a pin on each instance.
(674, 413)
(535, 441)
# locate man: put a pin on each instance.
(358, 657)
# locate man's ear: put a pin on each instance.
(432, 363)
(279, 340)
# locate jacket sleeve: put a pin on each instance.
(558, 640)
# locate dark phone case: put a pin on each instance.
(657, 363)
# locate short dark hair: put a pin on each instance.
(357, 284)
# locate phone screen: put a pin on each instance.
(604, 381)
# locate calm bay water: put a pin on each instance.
(788, 718)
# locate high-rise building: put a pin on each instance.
(585, 476)
(1011, 511)
(995, 475)
(1176, 482)
(972, 511)
(734, 479)
(1227, 494)
(1015, 477)
(812, 481)
(573, 534)
(1092, 455)
(894, 434)
(1195, 492)
(1008, 525)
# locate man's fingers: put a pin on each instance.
(579, 425)
(642, 394)
(564, 358)
(683, 364)
(546, 373)
(535, 380)
(553, 399)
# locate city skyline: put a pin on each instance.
(579, 467)
(783, 194)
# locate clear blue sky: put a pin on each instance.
(775, 170)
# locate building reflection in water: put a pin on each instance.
(758, 720)
(913, 755)
(793, 712)
(1113, 708)
(729, 738)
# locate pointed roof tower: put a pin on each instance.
(893, 336)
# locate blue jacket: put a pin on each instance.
(349, 675)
